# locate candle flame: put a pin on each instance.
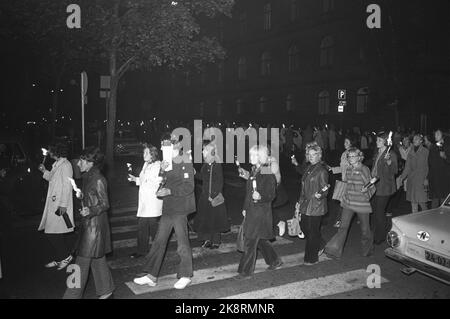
(389, 140)
(128, 165)
(44, 151)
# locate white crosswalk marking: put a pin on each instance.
(213, 274)
(127, 262)
(312, 288)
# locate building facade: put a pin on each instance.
(287, 59)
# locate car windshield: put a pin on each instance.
(447, 201)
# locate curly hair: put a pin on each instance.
(94, 155)
(357, 151)
(313, 146)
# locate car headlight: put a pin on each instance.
(393, 239)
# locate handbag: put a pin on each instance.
(294, 225)
(240, 237)
(339, 190)
(219, 199)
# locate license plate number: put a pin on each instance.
(437, 259)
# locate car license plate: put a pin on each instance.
(437, 259)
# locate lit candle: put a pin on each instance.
(371, 182)
(389, 142)
(45, 153)
(74, 185)
(130, 168)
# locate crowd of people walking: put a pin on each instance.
(366, 175)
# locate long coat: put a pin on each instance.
(59, 194)
(258, 218)
(148, 182)
(438, 174)
(95, 236)
(416, 170)
(211, 219)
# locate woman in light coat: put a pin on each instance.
(59, 201)
(416, 170)
(150, 206)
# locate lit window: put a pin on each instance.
(266, 61)
(242, 68)
(294, 58)
(262, 104)
(326, 51)
(324, 102)
(362, 100)
(267, 16)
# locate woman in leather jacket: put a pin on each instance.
(312, 204)
(94, 240)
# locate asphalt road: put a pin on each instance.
(24, 251)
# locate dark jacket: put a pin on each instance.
(258, 218)
(386, 184)
(438, 173)
(180, 181)
(209, 219)
(95, 235)
(314, 179)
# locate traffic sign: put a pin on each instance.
(341, 106)
(342, 94)
(105, 82)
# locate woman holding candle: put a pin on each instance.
(150, 206)
(257, 212)
(94, 240)
(384, 168)
(312, 204)
(59, 202)
(356, 200)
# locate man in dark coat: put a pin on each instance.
(178, 202)
(439, 169)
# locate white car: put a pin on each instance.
(421, 241)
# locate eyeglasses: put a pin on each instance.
(354, 156)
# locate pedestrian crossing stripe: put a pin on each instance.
(213, 274)
(127, 262)
(312, 288)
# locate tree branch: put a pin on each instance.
(125, 67)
